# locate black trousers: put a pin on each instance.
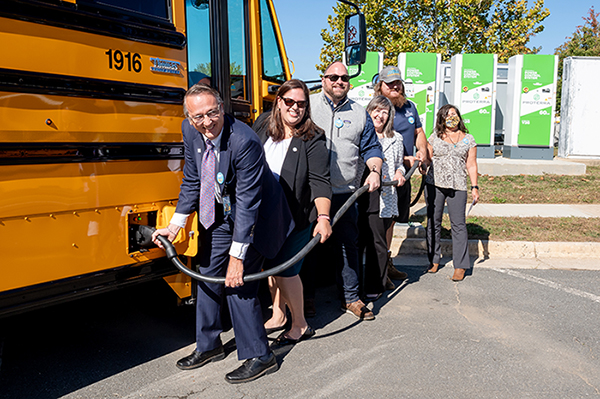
(403, 202)
(373, 244)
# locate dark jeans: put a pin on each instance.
(341, 248)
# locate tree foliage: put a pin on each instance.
(584, 42)
(447, 27)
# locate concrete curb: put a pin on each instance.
(410, 240)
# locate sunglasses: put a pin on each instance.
(290, 103)
(334, 78)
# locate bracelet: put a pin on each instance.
(170, 231)
(472, 187)
(375, 170)
(323, 216)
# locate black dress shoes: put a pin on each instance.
(283, 340)
(199, 359)
(252, 369)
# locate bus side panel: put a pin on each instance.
(60, 221)
(51, 50)
(31, 118)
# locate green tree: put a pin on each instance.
(447, 27)
(584, 42)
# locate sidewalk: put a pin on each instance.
(410, 239)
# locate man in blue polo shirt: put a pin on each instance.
(408, 124)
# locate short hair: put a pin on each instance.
(199, 89)
(382, 102)
(305, 129)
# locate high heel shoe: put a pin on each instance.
(285, 326)
(283, 340)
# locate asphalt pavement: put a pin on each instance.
(523, 324)
(506, 331)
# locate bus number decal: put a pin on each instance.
(118, 60)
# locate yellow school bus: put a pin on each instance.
(90, 144)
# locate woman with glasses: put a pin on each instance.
(296, 153)
(378, 208)
(453, 154)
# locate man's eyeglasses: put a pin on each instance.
(212, 115)
(334, 78)
(290, 103)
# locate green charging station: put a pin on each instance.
(419, 72)
(361, 89)
(473, 91)
(531, 106)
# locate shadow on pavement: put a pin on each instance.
(54, 351)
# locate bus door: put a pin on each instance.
(271, 60)
(236, 46)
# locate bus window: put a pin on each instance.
(155, 8)
(271, 55)
(198, 37)
(237, 49)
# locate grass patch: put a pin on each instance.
(528, 189)
(525, 229)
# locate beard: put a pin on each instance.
(399, 101)
(336, 97)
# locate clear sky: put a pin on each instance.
(301, 23)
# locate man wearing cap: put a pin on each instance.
(408, 124)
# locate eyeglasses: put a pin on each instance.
(382, 112)
(212, 115)
(290, 103)
(334, 78)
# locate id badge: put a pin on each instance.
(226, 206)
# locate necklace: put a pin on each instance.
(453, 142)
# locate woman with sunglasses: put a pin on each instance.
(296, 153)
(453, 154)
(377, 209)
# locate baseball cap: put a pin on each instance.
(390, 74)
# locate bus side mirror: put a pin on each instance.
(355, 39)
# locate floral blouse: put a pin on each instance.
(449, 163)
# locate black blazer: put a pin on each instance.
(304, 174)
